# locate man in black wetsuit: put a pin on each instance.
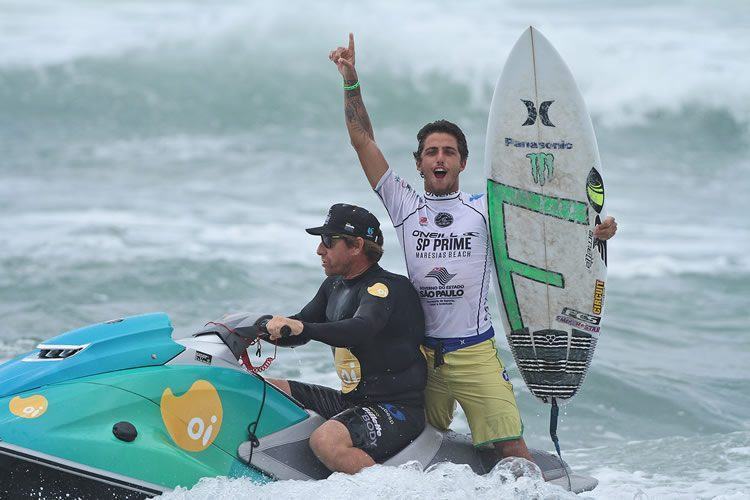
(374, 321)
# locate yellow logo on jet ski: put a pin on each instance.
(378, 290)
(193, 420)
(31, 407)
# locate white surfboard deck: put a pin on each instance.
(545, 195)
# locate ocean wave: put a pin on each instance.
(92, 237)
(144, 59)
(670, 468)
(88, 237)
(646, 249)
(657, 266)
(14, 347)
(440, 481)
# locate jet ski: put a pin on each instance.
(120, 409)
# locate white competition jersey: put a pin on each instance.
(448, 257)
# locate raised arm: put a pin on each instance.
(357, 120)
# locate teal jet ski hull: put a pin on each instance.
(134, 419)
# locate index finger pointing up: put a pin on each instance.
(351, 42)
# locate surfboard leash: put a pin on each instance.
(554, 413)
(252, 429)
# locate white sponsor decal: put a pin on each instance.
(578, 324)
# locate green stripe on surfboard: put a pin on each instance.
(499, 195)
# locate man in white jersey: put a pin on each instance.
(445, 238)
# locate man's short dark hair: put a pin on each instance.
(445, 127)
(372, 250)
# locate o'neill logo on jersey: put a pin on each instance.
(441, 274)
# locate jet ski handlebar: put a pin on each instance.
(240, 330)
(262, 324)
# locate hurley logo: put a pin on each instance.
(543, 110)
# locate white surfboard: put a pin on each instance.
(545, 194)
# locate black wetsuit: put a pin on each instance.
(375, 324)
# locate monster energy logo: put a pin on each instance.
(542, 166)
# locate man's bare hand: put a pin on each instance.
(606, 229)
(276, 323)
(343, 57)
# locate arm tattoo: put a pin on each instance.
(357, 119)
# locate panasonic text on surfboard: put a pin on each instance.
(433, 245)
(509, 141)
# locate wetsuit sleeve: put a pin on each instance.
(314, 311)
(374, 310)
(398, 197)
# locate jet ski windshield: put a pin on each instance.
(240, 330)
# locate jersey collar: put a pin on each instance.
(444, 197)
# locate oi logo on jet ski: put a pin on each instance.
(30, 407)
(193, 420)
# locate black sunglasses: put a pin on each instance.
(328, 239)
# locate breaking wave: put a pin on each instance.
(241, 65)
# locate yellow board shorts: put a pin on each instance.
(475, 378)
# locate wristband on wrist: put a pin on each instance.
(354, 86)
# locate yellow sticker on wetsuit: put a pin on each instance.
(378, 290)
(30, 407)
(348, 368)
